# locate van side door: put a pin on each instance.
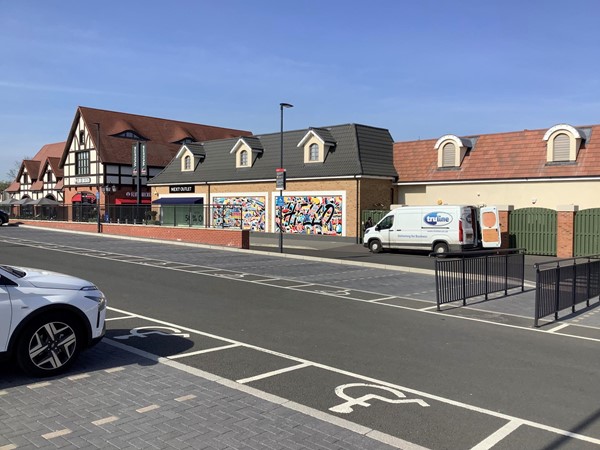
(490, 227)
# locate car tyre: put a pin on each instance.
(49, 344)
(440, 247)
(375, 246)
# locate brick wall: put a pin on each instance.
(211, 236)
(565, 232)
(349, 187)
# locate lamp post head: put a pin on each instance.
(286, 105)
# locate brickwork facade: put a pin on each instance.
(209, 236)
(565, 231)
(358, 194)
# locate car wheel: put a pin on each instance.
(375, 246)
(440, 247)
(49, 345)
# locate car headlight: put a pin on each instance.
(100, 299)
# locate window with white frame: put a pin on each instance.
(313, 152)
(187, 162)
(244, 158)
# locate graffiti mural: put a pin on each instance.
(311, 215)
(245, 212)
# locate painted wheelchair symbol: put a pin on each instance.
(347, 406)
(141, 333)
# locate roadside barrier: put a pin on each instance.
(463, 275)
(568, 283)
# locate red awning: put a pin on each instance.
(131, 201)
(83, 197)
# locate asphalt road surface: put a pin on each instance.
(282, 326)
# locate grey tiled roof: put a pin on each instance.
(359, 150)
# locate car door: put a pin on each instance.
(5, 315)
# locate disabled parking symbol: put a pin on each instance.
(143, 332)
(348, 406)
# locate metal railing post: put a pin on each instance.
(557, 292)
(536, 309)
(437, 285)
(464, 281)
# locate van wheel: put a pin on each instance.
(375, 246)
(440, 247)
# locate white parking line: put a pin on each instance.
(273, 373)
(416, 392)
(119, 318)
(382, 299)
(200, 352)
(560, 327)
(496, 437)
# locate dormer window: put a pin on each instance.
(563, 143)
(129, 134)
(316, 143)
(244, 150)
(187, 161)
(452, 150)
(189, 156)
(187, 140)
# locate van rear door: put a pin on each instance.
(490, 227)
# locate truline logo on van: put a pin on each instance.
(437, 219)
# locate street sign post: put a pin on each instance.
(280, 179)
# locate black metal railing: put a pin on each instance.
(459, 276)
(565, 283)
(193, 215)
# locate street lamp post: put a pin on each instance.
(98, 175)
(282, 183)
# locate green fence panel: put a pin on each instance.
(533, 229)
(375, 214)
(587, 232)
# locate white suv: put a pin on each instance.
(47, 318)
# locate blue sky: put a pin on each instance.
(422, 68)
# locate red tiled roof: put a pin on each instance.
(33, 168)
(54, 163)
(15, 186)
(514, 155)
(162, 135)
(37, 186)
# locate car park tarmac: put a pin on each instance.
(369, 404)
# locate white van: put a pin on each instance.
(437, 228)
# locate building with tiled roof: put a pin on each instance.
(545, 168)
(332, 174)
(98, 152)
(37, 177)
